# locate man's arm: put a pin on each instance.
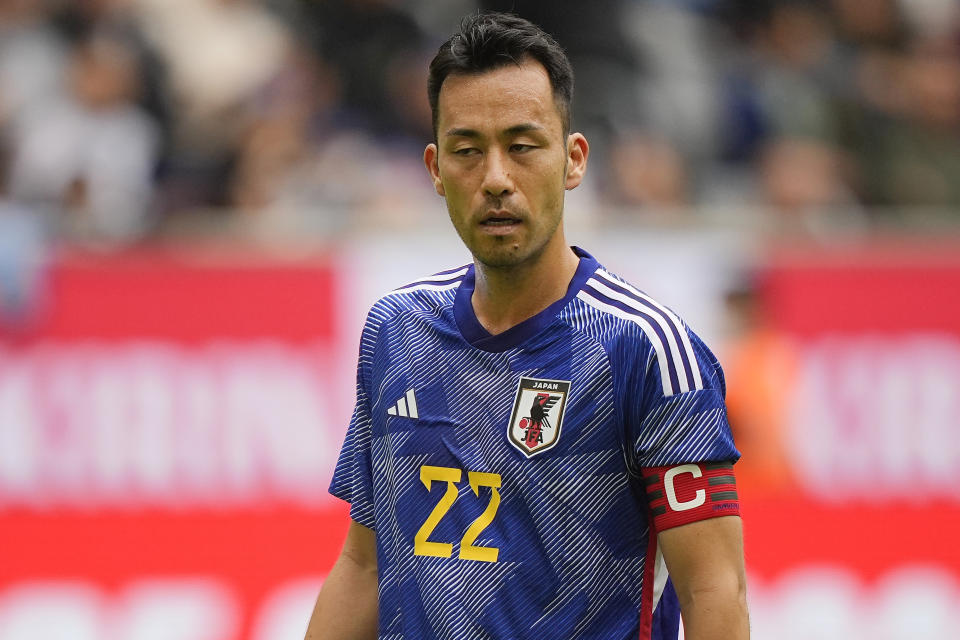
(347, 605)
(705, 561)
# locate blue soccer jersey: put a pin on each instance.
(516, 482)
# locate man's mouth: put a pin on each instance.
(500, 219)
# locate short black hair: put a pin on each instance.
(488, 41)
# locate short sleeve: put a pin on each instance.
(666, 425)
(353, 476)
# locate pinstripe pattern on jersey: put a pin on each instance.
(683, 428)
(668, 337)
(678, 337)
(348, 482)
(437, 282)
(572, 537)
(668, 376)
(447, 612)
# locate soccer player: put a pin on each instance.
(539, 449)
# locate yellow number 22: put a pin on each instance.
(468, 551)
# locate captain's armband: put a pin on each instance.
(686, 493)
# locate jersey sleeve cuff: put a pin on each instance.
(360, 512)
(685, 493)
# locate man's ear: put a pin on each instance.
(578, 150)
(430, 159)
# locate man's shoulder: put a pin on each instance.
(615, 299)
(424, 294)
(631, 323)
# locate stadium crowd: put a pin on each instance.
(122, 120)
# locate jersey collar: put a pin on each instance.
(474, 333)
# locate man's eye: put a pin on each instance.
(521, 148)
(466, 151)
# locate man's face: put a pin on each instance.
(502, 162)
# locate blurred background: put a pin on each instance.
(200, 198)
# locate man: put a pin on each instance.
(538, 450)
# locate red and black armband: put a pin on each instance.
(687, 493)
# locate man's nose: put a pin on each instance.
(496, 178)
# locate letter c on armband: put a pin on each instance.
(699, 498)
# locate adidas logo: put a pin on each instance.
(405, 407)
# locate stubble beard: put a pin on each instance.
(504, 252)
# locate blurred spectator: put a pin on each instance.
(647, 172)
(931, 20)
(32, 58)
(22, 252)
(87, 158)
(803, 180)
(760, 365)
(309, 117)
(219, 54)
(801, 72)
(679, 89)
(304, 168)
(380, 57)
(870, 24)
(118, 19)
(273, 184)
(911, 154)
(793, 80)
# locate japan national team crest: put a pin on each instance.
(537, 414)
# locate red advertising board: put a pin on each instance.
(164, 430)
(861, 542)
(169, 423)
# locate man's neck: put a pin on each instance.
(503, 297)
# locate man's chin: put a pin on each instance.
(505, 256)
(500, 257)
